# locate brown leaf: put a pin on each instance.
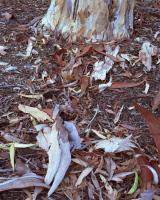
(146, 175)
(84, 84)
(153, 123)
(85, 51)
(118, 85)
(156, 101)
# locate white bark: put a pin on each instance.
(96, 20)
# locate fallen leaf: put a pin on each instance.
(99, 134)
(156, 101)
(110, 167)
(12, 154)
(101, 68)
(63, 166)
(145, 54)
(12, 149)
(85, 51)
(48, 140)
(116, 144)
(119, 177)
(35, 112)
(103, 86)
(119, 85)
(146, 176)
(29, 48)
(83, 174)
(18, 145)
(34, 96)
(153, 123)
(135, 184)
(80, 162)
(84, 83)
(118, 114)
(147, 86)
(75, 141)
(111, 193)
(28, 180)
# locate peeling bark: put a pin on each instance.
(97, 20)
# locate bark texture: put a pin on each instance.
(93, 20)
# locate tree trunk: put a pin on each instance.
(92, 20)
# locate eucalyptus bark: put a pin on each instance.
(92, 20)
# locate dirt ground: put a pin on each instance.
(19, 79)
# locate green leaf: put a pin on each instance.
(12, 154)
(18, 145)
(135, 184)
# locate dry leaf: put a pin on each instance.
(63, 166)
(85, 51)
(117, 117)
(28, 180)
(145, 55)
(34, 96)
(84, 84)
(35, 112)
(48, 140)
(75, 140)
(153, 123)
(101, 68)
(119, 177)
(116, 144)
(83, 174)
(119, 85)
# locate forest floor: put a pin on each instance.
(97, 115)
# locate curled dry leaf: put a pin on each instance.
(116, 144)
(145, 55)
(28, 180)
(35, 112)
(101, 68)
(73, 135)
(63, 166)
(48, 140)
(119, 85)
(55, 142)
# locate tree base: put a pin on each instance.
(98, 20)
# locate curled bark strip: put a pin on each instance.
(73, 135)
(63, 166)
(29, 180)
(54, 155)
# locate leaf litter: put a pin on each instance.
(73, 106)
